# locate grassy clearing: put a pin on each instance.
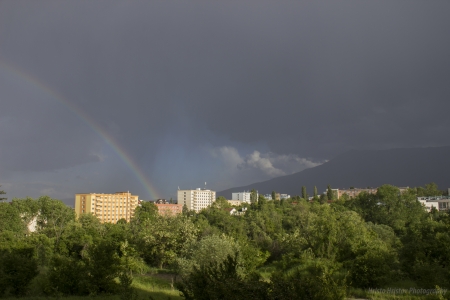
(157, 286)
(148, 287)
(394, 294)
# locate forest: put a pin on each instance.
(286, 249)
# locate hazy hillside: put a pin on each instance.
(400, 167)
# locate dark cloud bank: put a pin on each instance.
(308, 80)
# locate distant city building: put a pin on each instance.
(235, 202)
(438, 202)
(232, 211)
(109, 208)
(268, 196)
(243, 197)
(285, 196)
(166, 209)
(197, 199)
(353, 192)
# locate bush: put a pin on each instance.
(222, 281)
(91, 274)
(18, 267)
(319, 280)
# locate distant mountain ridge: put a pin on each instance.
(362, 168)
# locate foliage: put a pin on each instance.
(91, 272)
(330, 195)
(2, 192)
(161, 239)
(316, 279)
(10, 219)
(211, 249)
(221, 202)
(304, 194)
(430, 189)
(253, 196)
(17, 268)
(126, 290)
(307, 250)
(222, 281)
(146, 211)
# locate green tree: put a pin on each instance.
(329, 192)
(162, 239)
(18, 267)
(2, 193)
(53, 217)
(10, 219)
(92, 271)
(304, 194)
(323, 198)
(222, 281)
(273, 195)
(315, 191)
(221, 202)
(316, 279)
(146, 211)
(431, 189)
(103, 265)
(253, 196)
(198, 253)
(185, 210)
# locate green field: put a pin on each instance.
(147, 287)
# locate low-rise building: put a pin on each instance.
(235, 202)
(438, 202)
(232, 211)
(166, 209)
(353, 192)
(278, 196)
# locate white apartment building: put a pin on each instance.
(197, 199)
(243, 197)
(438, 202)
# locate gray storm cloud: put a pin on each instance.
(304, 79)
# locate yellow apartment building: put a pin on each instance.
(109, 208)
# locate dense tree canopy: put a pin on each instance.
(313, 250)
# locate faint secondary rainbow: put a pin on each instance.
(91, 123)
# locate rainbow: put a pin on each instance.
(90, 122)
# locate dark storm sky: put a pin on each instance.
(229, 92)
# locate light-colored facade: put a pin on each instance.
(356, 191)
(109, 208)
(268, 196)
(439, 202)
(235, 202)
(243, 197)
(197, 199)
(167, 209)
